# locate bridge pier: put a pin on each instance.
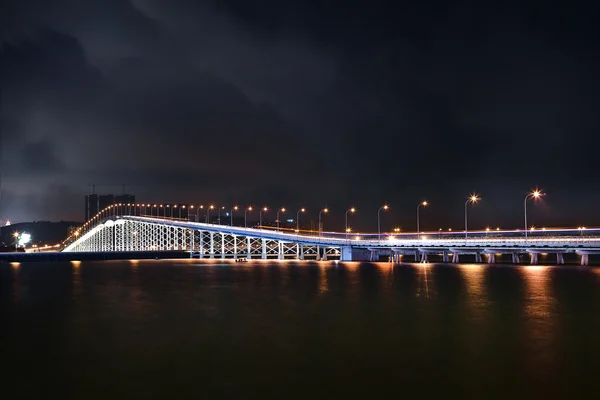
(478, 258)
(455, 258)
(235, 239)
(445, 257)
(491, 258)
(533, 258)
(222, 246)
(300, 251)
(248, 248)
(424, 258)
(346, 253)
(585, 259)
(374, 255)
(515, 258)
(560, 259)
(264, 249)
(212, 245)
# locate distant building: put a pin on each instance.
(94, 203)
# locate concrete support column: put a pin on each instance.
(533, 258)
(478, 258)
(346, 253)
(235, 240)
(417, 255)
(374, 256)
(424, 257)
(248, 248)
(455, 258)
(560, 258)
(222, 245)
(515, 258)
(300, 249)
(585, 258)
(280, 250)
(264, 249)
(324, 258)
(491, 258)
(318, 253)
(211, 254)
(445, 257)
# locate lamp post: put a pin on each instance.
(298, 219)
(211, 207)
(282, 209)
(219, 215)
(265, 209)
(472, 199)
(16, 236)
(352, 210)
(424, 204)
(536, 195)
(235, 208)
(385, 208)
(245, 212)
(325, 210)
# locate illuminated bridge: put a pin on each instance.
(109, 232)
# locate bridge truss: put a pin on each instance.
(200, 240)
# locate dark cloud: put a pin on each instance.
(303, 103)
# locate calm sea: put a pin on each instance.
(189, 329)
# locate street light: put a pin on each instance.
(219, 215)
(384, 207)
(472, 199)
(325, 210)
(16, 236)
(211, 207)
(352, 210)
(298, 219)
(536, 195)
(282, 209)
(424, 204)
(245, 212)
(235, 208)
(265, 209)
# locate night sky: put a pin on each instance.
(304, 103)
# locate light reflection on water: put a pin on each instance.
(224, 329)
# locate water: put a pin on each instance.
(183, 329)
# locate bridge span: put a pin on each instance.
(210, 241)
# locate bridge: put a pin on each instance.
(110, 231)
